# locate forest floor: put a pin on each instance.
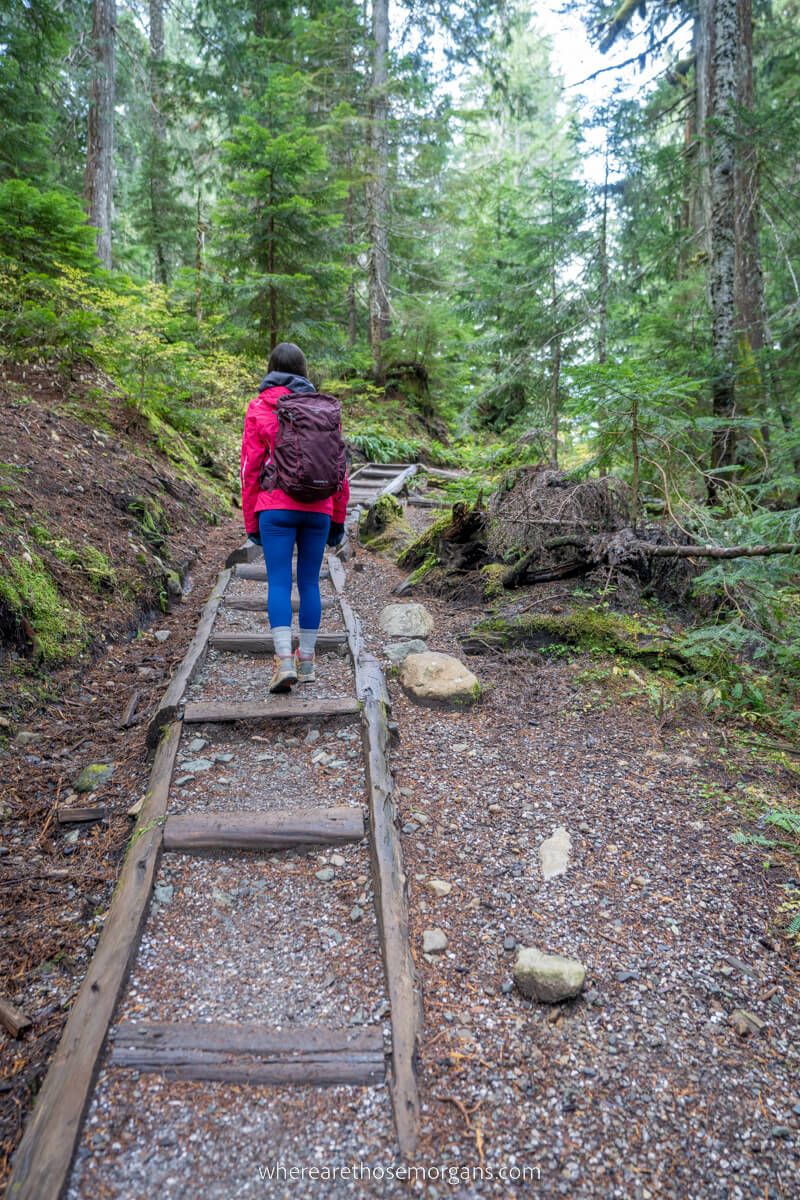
(641, 1087)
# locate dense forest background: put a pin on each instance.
(493, 271)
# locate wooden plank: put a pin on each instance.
(13, 1020)
(68, 815)
(390, 888)
(261, 643)
(396, 485)
(170, 702)
(391, 906)
(130, 709)
(427, 502)
(246, 553)
(41, 1163)
(259, 604)
(251, 1053)
(337, 573)
(277, 829)
(258, 572)
(281, 708)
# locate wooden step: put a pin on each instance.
(258, 572)
(261, 643)
(251, 1053)
(259, 604)
(279, 708)
(246, 553)
(278, 829)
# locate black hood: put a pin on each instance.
(295, 383)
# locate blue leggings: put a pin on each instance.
(280, 528)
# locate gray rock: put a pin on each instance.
(93, 776)
(356, 913)
(745, 1022)
(406, 621)
(311, 737)
(326, 875)
(547, 977)
(337, 860)
(195, 765)
(223, 758)
(197, 744)
(183, 780)
(25, 737)
(439, 887)
(161, 635)
(434, 941)
(439, 679)
(163, 893)
(627, 976)
(509, 943)
(507, 987)
(396, 652)
(554, 853)
(223, 899)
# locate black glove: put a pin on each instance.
(335, 534)
(255, 537)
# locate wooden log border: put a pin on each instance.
(42, 1161)
(170, 702)
(389, 879)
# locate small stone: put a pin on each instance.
(434, 941)
(337, 860)
(495, 808)
(326, 875)
(406, 621)
(223, 758)
(161, 635)
(197, 744)
(311, 737)
(745, 1022)
(182, 780)
(25, 737)
(554, 853)
(421, 818)
(195, 765)
(547, 977)
(780, 1131)
(93, 776)
(163, 893)
(627, 976)
(509, 943)
(507, 987)
(223, 899)
(397, 652)
(410, 827)
(356, 913)
(439, 887)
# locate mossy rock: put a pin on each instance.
(93, 776)
(383, 528)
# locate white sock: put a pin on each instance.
(308, 640)
(282, 640)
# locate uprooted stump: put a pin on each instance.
(453, 546)
(383, 527)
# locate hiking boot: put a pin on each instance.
(284, 675)
(304, 668)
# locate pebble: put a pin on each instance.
(495, 808)
(627, 976)
(356, 913)
(311, 737)
(195, 765)
(745, 1022)
(183, 780)
(93, 776)
(223, 758)
(439, 887)
(547, 977)
(337, 860)
(434, 941)
(197, 744)
(163, 893)
(509, 943)
(161, 635)
(326, 875)
(25, 737)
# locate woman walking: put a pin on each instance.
(294, 492)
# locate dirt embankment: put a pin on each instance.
(98, 529)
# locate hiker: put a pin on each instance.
(294, 491)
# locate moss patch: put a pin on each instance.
(33, 611)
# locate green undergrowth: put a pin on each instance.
(86, 559)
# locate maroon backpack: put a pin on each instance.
(308, 461)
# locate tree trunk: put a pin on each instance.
(159, 136)
(99, 174)
(378, 189)
(602, 299)
(555, 361)
(723, 32)
(199, 247)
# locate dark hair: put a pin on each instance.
(289, 358)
